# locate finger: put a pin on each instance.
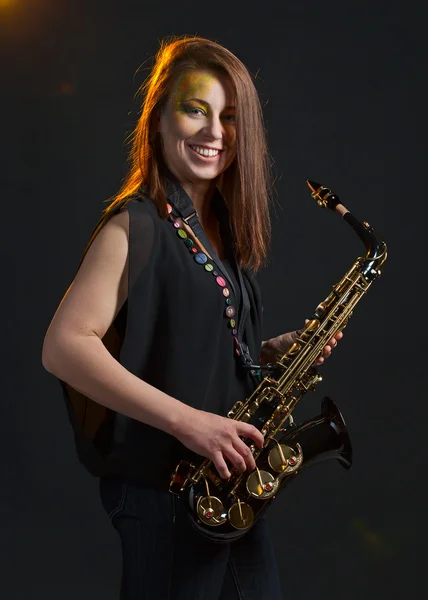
(332, 342)
(235, 458)
(220, 465)
(249, 431)
(339, 335)
(326, 351)
(245, 452)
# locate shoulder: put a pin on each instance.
(131, 211)
(142, 211)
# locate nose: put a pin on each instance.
(214, 128)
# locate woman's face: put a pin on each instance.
(197, 126)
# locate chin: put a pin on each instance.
(205, 174)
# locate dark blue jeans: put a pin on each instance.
(163, 558)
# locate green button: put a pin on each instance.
(209, 267)
(182, 234)
(232, 323)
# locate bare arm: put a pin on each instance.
(73, 351)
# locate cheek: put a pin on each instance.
(183, 126)
(231, 135)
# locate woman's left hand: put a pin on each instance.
(280, 345)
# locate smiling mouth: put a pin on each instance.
(205, 153)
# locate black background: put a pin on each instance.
(343, 90)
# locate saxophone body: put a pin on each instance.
(224, 510)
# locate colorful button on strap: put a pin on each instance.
(202, 259)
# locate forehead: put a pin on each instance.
(204, 84)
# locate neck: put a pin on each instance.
(201, 194)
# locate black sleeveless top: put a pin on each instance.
(176, 336)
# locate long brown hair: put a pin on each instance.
(246, 183)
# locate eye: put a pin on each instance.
(193, 110)
(231, 118)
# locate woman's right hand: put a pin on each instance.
(217, 438)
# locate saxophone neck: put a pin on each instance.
(376, 250)
(375, 246)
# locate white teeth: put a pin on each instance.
(204, 151)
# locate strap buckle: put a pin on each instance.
(194, 214)
(243, 353)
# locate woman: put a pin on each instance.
(186, 313)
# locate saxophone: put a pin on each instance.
(224, 510)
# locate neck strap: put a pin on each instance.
(185, 209)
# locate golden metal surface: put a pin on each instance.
(210, 511)
(241, 515)
(261, 484)
(320, 195)
(279, 457)
(181, 476)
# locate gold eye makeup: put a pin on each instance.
(191, 107)
(197, 106)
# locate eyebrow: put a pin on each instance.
(207, 103)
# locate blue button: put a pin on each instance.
(201, 258)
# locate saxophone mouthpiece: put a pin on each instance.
(325, 197)
(314, 187)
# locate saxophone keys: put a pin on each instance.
(294, 349)
(261, 484)
(241, 515)
(312, 325)
(235, 408)
(181, 477)
(210, 511)
(281, 457)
